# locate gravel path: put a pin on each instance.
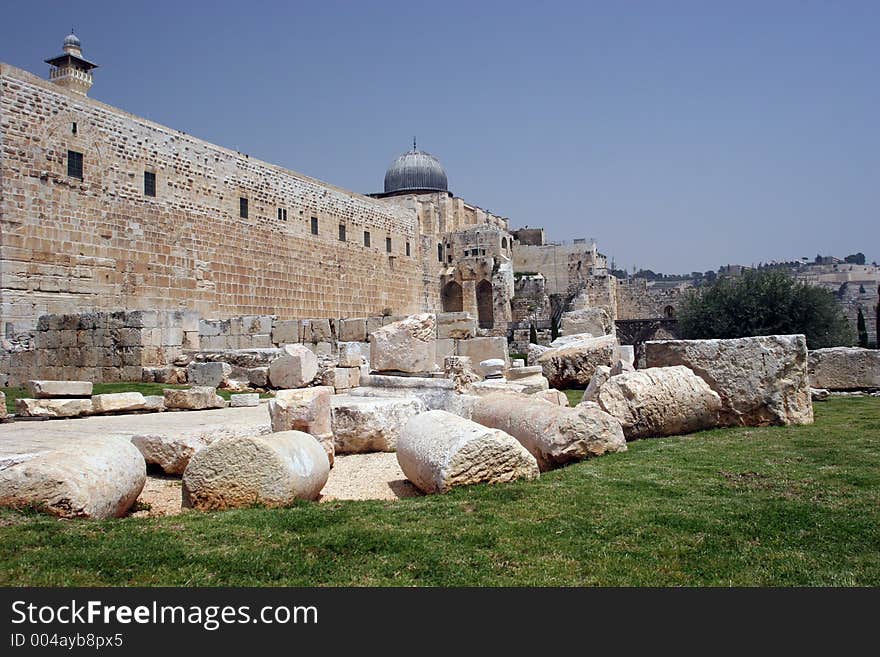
(374, 476)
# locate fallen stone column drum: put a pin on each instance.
(438, 450)
(274, 470)
(553, 434)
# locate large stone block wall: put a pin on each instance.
(566, 267)
(636, 299)
(70, 246)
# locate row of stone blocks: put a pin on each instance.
(262, 331)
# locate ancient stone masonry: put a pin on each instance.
(99, 242)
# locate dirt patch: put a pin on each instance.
(374, 476)
(160, 497)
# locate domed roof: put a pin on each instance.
(72, 40)
(415, 171)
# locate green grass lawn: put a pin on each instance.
(102, 388)
(777, 506)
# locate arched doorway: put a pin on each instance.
(450, 298)
(485, 310)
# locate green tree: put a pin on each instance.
(533, 334)
(766, 302)
(855, 258)
(862, 329)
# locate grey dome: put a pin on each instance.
(415, 171)
(72, 40)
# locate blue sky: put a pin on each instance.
(680, 135)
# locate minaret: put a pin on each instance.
(69, 69)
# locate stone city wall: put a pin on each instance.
(70, 245)
(566, 267)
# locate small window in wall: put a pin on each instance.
(73, 128)
(314, 225)
(75, 164)
(503, 242)
(366, 238)
(243, 207)
(149, 183)
(341, 232)
(282, 214)
(440, 252)
(407, 248)
(449, 259)
(387, 245)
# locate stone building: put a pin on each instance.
(101, 209)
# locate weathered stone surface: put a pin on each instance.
(246, 399)
(53, 389)
(628, 354)
(352, 330)
(573, 364)
(214, 374)
(193, 399)
(601, 375)
(660, 401)
(351, 354)
(493, 386)
(295, 367)
(819, 394)
(458, 326)
(405, 346)
(273, 470)
(306, 409)
(86, 478)
(622, 366)
(516, 373)
(285, 331)
(460, 370)
(155, 403)
(553, 396)
(53, 407)
(480, 349)
(595, 321)
(346, 378)
(3, 412)
(845, 368)
(365, 424)
(554, 435)
(169, 374)
(761, 380)
(517, 362)
(492, 368)
(438, 450)
(118, 402)
(535, 353)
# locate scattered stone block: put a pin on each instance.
(573, 363)
(350, 354)
(518, 363)
(602, 374)
(273, 470)
(405, 346)
(438, 451)
(480, 349)
(85, 478)
(245, 399)
(660, 401)
(595, 321)
(365, 424)
(346, 378)
(819, 394)
(306, 409)
(845, 368)
(52, 408)
(193, 399)
(554, 435)
(118, 402)
(3, 412)
(457, 326)
(53, 389)
(214, 374)
(553, 396)
(761, 380)
(294, 367)
(154, 403)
